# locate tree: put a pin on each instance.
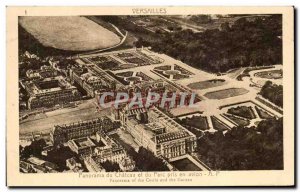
(146, 161)
(244, 43)
(114, 85)
(201, 19)
(110, 166)
(35, 148)
(171, 28)
(225, 26)
(59, 156)
(243, 148)
(273, 93)
(20, 149)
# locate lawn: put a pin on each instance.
(134, 79)
(273, 74)
(69, 32)
(163, 68)
(207, 84)
(196, 122)
(124, 55)
(126, 66)
(182, 70)
(125, 74)
(242, 111)
(180, 76)
(144, 76)
(98, 59)
(172, 72)
(226, 93)
(162, 73)
(218, 125)
(239, 121)
(262, 114)
(109, 65)
(135, 60)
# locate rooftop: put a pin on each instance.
(47, 85)
(171, 136)
(83, 142)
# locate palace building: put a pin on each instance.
(87, 80)
(49, 92)
(92, 79)
(160, 87)
(157, 132)
(44, 72)
(63, 133)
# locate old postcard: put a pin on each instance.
(150, 96)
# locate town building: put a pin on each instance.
(127, 164)
(49, 92)
(42, 73)
(92, 165)
(36, 165)
(92, 79)
(82, 146)
(63, 133)
(74, 165)
(108, 149)
(105, 149)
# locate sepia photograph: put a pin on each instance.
(179, 96)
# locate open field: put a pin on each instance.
(104, 24)
(85, 111)
(69, 33)
(225, 93)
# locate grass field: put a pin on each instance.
(263, 114)
(69, 33)
(125, 74)
(207, 84)
(172, 72)
(225, 93)
(196, 122)
(273, 74)
(218, 125)
(239, 121)
(163, 68)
